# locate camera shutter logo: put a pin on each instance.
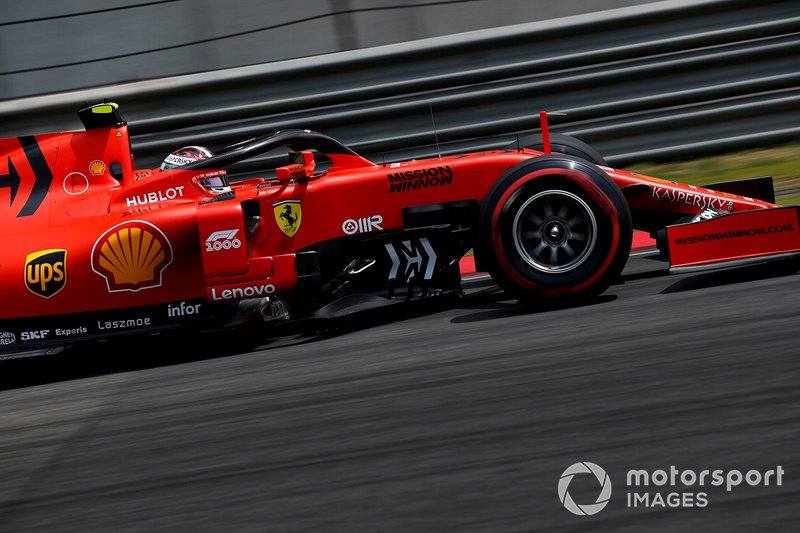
(585, 509)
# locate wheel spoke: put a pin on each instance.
(539, 247)
(563, 210)
(580, 237)
(574, 221)
(553, 255)
(548, 210)
(537, 221)
(528, 235)
(571, 253)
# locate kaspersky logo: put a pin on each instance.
(46, 272)
(132, 256)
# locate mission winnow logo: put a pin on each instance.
(421, 178)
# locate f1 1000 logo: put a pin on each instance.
(46, 272)
(223, 240)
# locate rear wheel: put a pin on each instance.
(554, 227)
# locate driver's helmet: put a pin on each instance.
(216, 181)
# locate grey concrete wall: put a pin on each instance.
(50, 46)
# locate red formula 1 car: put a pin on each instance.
(94, 247)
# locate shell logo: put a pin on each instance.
(132, 256)
(97, 167)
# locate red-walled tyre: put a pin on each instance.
(554, 228)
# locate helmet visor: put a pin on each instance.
(216, 181)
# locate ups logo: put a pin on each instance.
(46, 272)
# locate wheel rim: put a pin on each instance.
(554, 231)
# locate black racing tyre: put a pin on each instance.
(554, 227)
(561, 144)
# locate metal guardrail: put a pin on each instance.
(657, 81)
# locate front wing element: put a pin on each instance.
(734, 240)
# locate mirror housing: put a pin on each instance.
(301, 166)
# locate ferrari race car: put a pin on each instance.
(94, 247)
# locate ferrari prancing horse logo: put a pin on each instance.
(288, 216)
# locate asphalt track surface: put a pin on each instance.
(460, 417)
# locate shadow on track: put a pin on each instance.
(736, 275)
(483, 301)
(122, 354)
(499, 310)
(126, 354)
